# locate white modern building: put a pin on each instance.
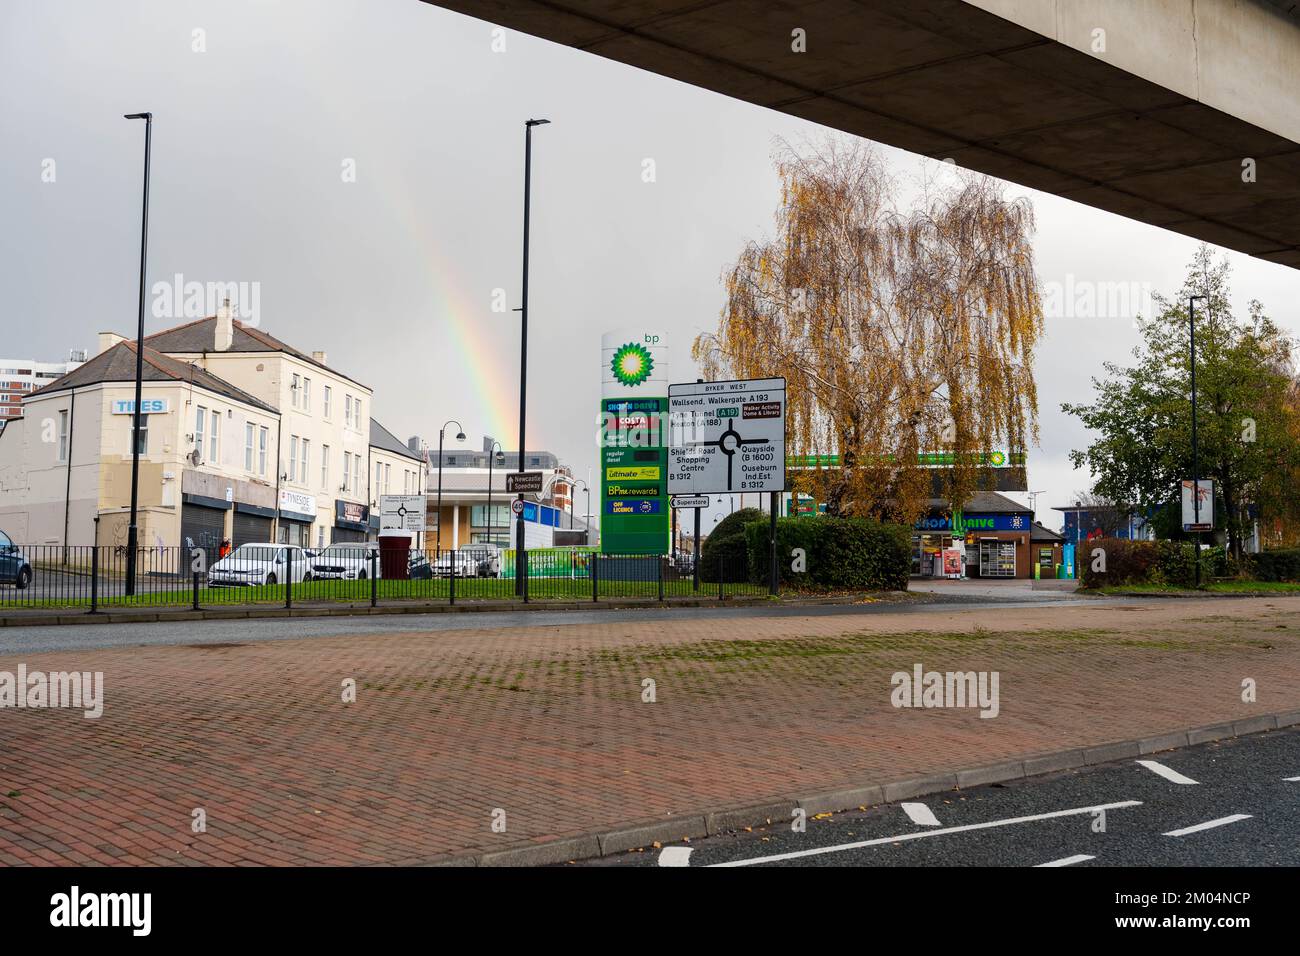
(20, 377)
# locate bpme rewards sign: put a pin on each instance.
(633, 430)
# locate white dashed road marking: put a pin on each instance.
(1171, 775)
(920, 814)
(1292, 779)
(675, 856)
(922, 834)
(1209, 824)
(1069, 860)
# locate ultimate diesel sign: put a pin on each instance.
(726, 437)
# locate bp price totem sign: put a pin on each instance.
(635, 509)
(727, 437)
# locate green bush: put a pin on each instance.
(1276, 565)
(842, 554)
(725, 552)
(1149, 562)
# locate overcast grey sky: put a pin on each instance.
(393, 274)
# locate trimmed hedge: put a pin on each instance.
(725, 551)
(1276, 565)
(842, 554)
(1149, 562)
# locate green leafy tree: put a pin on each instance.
(1248, 429)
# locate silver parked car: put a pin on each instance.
(346, 562)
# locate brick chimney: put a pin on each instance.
(225, 331)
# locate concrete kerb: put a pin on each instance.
(780, 811)
(111, 616)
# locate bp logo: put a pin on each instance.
(632, 364)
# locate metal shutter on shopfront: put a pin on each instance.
(250, 529)
(202, 527)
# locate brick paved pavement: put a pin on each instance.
(548, 724)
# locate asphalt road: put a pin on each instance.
(1243, 809)
(31, 640)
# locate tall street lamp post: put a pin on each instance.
(133, 530)
(1196, 464)
(494, 454)
(521, 558)
(460, 436)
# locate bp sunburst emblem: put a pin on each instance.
(632, 364)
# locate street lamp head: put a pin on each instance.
(501, 458)
(460, 436)
(143, 116)
(537, 122)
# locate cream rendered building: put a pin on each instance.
(248, 439)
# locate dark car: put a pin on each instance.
(15, 569)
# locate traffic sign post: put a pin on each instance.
(401, 513)
(519, 482)
(726, 437)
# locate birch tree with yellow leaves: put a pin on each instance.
(898, 331)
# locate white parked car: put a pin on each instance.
(261, 564)
(348, 562)
(478, 561)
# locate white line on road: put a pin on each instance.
(1068, 861)
(675, 856)
(1169, 774)
(921, 834)
(920, 814)
(1209, 824)
(1292, 779)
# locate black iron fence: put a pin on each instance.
(95, 578)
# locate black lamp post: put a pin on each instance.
(573, 486)
(494, 453)
(1196, 464)
(460, 436)
(521, 558)
(133, 530)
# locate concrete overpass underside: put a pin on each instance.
(1156, 127)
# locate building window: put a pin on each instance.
(500, 516)
(357, 412)
(261, 451)
(328, 401)
(347, 470)
(142, 438)
(379, 483)
(63, 436)
(213, 445)
(295, 391)
(325, 466)
(347, 410)
(306, 394)
(306, 457)
(248, 447)
(293, 457)
(388, 477)
(200, 423)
